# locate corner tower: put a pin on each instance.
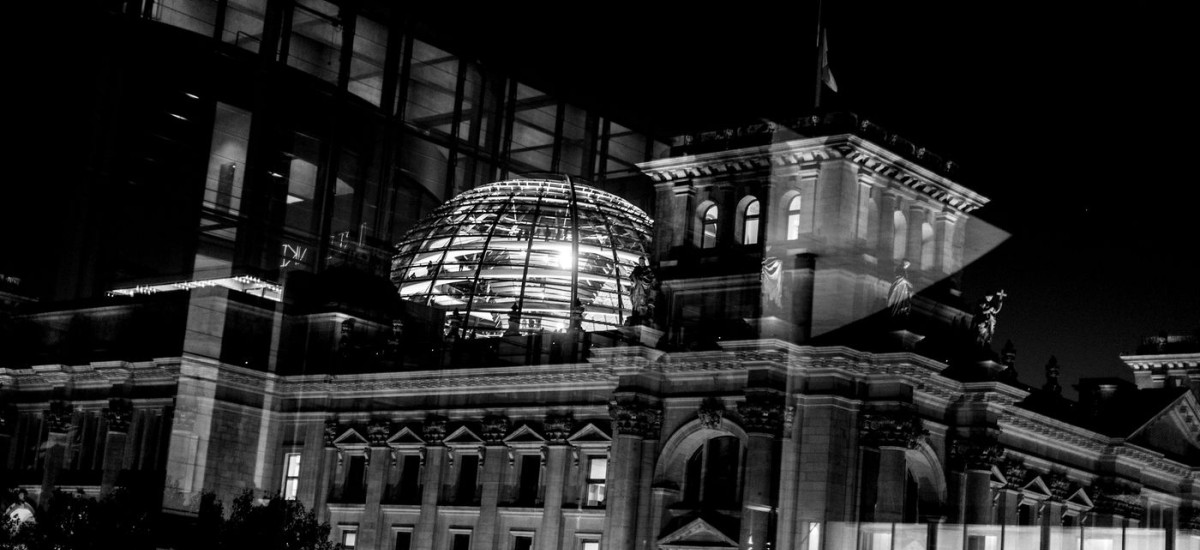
(797, 231)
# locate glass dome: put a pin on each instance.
(514, 244)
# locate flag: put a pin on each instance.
(826, 74)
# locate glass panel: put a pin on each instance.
(574, 141)
(433, 78)
(198, 16)
(244, 23)
(532, 143)
(366, 66)
(1019, 538)
(597, 468)
(316, 42)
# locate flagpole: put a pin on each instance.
(820, 46)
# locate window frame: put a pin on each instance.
(749, 234)
(288, 477)
(793, 217)
(705, 222)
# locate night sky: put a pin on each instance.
(1078, 125)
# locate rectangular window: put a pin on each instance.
(403, 540)
(597, 473)
(590, 545)
(409, 490)
(531, 466)
(349, 538)
(315, 43)
(356, 489)
(291, 475)
(461, 541)
(522, 542)
(244, 23)
(467, 475)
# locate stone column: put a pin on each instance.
(913, 250)
(632, 419)
(944, 229)
(434, 432)
(59, 418)
(326, 469)
(378, 461)
(887, 226)
(975, 457)
(116, 417)
(893, 433)
(557, 429)
(495, 428)
(789, 525)
(762, 416)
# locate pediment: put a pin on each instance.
(1037, 488)
(589, 434)
(1174, 430)
(463, 436)
(696, 534)
(524, 435)
(405, 437)
(350, 438)
(1081, 498)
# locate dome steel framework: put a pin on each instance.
(512, 247)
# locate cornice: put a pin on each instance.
(869, 156)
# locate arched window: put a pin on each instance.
(708, 227)
(750, 217)
(713, 474)
(899, 235)
(793, 218)
(926, 246)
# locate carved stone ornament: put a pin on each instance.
(891, 429)
(481, 454)
(633, 417)
(331, 431)
(710, 412)
(495, 428)
(433, 431)
(789, 418)
(1118, 498)
(118, 414)
(558, 427)
(1059, 485)
(378, 432)
(58, 417)
(762, 414)
(976, 453)
(1014, 471)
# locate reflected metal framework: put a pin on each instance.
(512, 249)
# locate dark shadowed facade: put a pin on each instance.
(746, 338)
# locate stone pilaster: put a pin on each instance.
(116, 419)
(632, 421)
(495, 429)
(378, 462)
(59, 419)
(557, 461)
(891, 434)
(975, 457)
(431, 483)
(762, 417)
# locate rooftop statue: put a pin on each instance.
(984, 322)
(900, 293)
(641, 296)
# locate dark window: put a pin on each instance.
(712, 474)
(409, 490)
(531, 467)
(462, 541)
(750, 223)
(467, 474)
(356, 488)
(522, 542)
(403, 540)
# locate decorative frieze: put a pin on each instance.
(762, 413)
(711, 411)
(557, 427)
(1014, 471)
(634, 417)
(59, 417)
(1059, 485)
(433, 430)
(891, 429)
(378, 432)
(495, 429)
(331, 432)
(1118, 497)
(975, 453)
(118, 414)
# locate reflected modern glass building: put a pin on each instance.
(315, 251)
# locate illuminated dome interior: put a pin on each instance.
(514, 243)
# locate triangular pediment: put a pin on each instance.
(1081, 498)
(524, 435)
(1174, 430)
(1037, 488)
(463, 436)
(405, 437)
(694, 535)
(589, 434)
(351, 438)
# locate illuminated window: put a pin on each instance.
(597, 473)
(793, 218)
(708, 231)
(349, 538)
(750, 223)
(291, 475)
(590, 545)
